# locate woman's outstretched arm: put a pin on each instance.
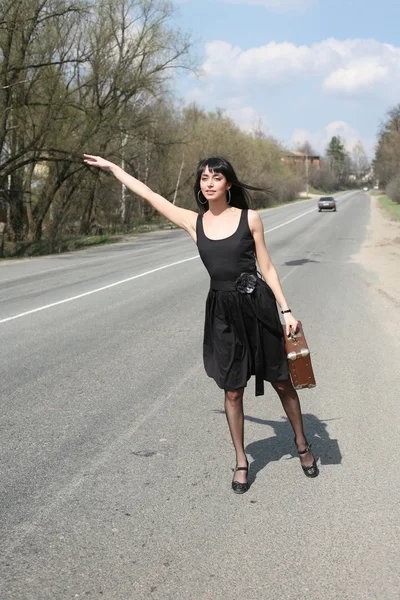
(183, 218)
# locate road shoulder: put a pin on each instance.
(380, 254)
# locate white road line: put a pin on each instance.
(105, 287)
(111, 285)
(103, 258)
(83, 263)
(291, 221)
(302, 215)
(63, 267)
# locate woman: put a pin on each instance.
(242, 334)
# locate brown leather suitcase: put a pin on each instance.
(299, 359)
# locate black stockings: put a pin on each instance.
(235, 418)
(291, 405)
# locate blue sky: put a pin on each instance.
(308, 69)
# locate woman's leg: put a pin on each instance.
(291, 405)
(235, 418)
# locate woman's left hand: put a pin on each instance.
(97, 161)
(290, 323)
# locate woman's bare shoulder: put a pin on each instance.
(254, 219)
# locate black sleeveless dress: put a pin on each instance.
(242, 332)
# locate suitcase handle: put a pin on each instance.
(292, 336)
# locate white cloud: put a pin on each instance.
(325, 82)
(342, 67)
(277, 5)
(246, 117)
(360, 75)
(199, 95)
(320, 138)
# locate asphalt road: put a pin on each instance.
(116, 458)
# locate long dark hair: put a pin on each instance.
(240, 197)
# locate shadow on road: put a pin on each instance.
(325, 449)
(299, 262)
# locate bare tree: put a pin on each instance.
(67, 83)
(39, 43)
(360, 160)
(387, 156)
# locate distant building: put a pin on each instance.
(299, 158)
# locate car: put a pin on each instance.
(327, 203)
(376, 187)
(365, 189)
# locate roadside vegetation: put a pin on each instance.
(77, 76)
(387, 157)
(390, 207)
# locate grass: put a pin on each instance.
(47, 246)
(312, 190)
(390, 207)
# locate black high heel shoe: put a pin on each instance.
(240, 488)
(312, 470)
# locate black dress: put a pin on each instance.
(242, 332)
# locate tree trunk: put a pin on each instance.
(3, 230)
(16, 200)
(84, 228)
(179, 179)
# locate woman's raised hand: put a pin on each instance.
(97, 161)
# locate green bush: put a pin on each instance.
(51, 246)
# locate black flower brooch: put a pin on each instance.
(246, 283)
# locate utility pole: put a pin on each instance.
(307, 171)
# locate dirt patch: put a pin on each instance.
(380, 254)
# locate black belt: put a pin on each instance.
(223, 286)
(231, 286)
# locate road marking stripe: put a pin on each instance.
(63, 267)
(105, 287)
(111, 285)
(291, 221)
(137, 250)
(100, 259)
(302, 215)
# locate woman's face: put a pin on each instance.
(213, 185)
